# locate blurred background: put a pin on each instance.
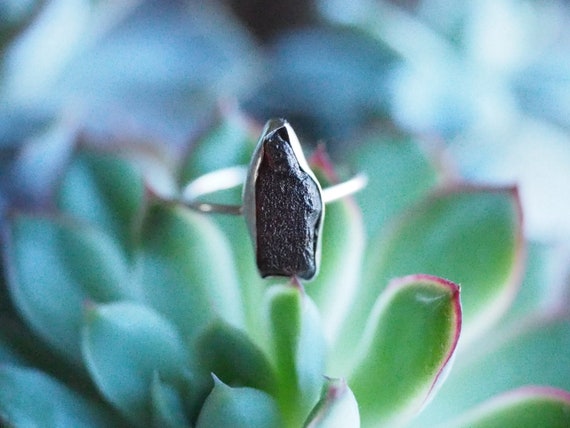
(485, 81)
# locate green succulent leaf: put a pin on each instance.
(123, 345)
(54, 267)
(406, 348)
(298, 351)
(238, 408)
(471, 235)
(528, 407)
(105, 190)
(187, 271)
(342, 251)
(252, 285)
(539, 291)
(399, 174)
(30, 398)
(167, 405)
(236, 360)
(337, 407)
(536, 354)
(229, 143)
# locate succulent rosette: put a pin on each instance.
(426, 302)
(124, 307)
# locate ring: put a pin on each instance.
(283, 202)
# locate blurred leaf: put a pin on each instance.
(187, 270)
(106, 190)
(162, 66)
(537, 354)
(234, 358)
(399, 174)
(543, 88)
(540, 291)
(43, 150)
(337, 407)
(470, 235)
(167, 407)
(123, 345)
(342, 251)
(524, 408)
(42, 52)
(252, 286)
(17, 124)
(19, 346)
(55, 266)
(14, 17)
(406, 348)
(341, 79)
(442, 97)
(298, 351)
(229, 142)
(30, 398)
(238, 408)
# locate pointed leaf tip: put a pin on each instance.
(298, 350)
(230, 355)
(472, 235)
(337, 407)
(238, 408)
(406, 348)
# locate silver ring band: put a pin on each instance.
(234, 176)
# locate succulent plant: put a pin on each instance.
(124, 307)
(120, 305)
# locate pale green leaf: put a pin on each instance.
(187, 270)
(472, 236)
(529, 407)
(105, 190)
(30, 398)
(399, 173)
(408, 343)
(123, 345)
(238, 408)
(234, 358)
(538, 353)
(55, 266)
(342, 252)
(229, 142)
(337, 407)
(298, 351)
